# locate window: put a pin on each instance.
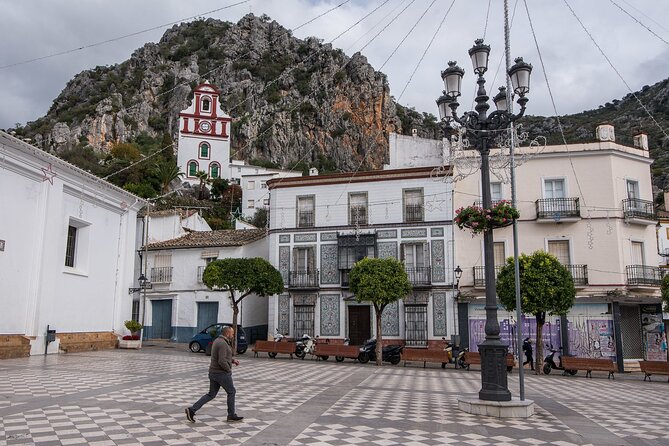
(192, 168)
(251, 185)
(162, 269)
(206, 104)
(495, 191)
(554, 188)
(204, 150)
(76, 244)
(250, 204)
(305, 211)
(304, 320)
(304, 259)
(632, 189)
(499, 253)
(266, 202)
(71, 246)
(413, 205)
(560, 249)
(637, 254)
(357, 208)
(214, 170)
(135, 311)
(414, 255)
(263, 185)
(415, 325)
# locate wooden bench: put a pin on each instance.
(272, 348)
(424, 355)
(475, 358)
(590, 364)
(339, 351)
(654, 368)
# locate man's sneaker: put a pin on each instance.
(190, 415)
(232, 418)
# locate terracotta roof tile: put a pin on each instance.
(204, 239)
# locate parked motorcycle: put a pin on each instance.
(306, 344)
(278, 337)
(347, 341)
(460, 359)
(448, 348)
(390, 353)
(549, 362)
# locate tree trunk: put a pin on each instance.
(379, 339)
(235, 312)
(539, 359)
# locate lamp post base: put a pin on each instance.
(494, 385)
(500, 409)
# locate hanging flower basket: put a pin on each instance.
(478, 219)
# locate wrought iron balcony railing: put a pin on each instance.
(161, 275)
(645, 275)
(358, 215)
(420, 276)
(413, 213)
(303, 279)
(579, 273)
(305, 219)
(636, 208)
(557, 208)
(479, 275)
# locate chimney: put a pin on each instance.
(414, 132)
(641, 140)
(313, 172)
(605, 132)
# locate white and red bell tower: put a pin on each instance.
(204, 136)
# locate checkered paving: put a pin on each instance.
(374, 404)
(262, 396)
(339, 434)
(427, 381)
(644, 421)
(297, 370)
(95, 426)
(52, 382)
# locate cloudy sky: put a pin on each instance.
(579, 75)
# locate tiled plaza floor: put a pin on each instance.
(137, 397)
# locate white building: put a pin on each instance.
(66, 253)
(179, 305)
(321, 225)
(204, 145)
(591, 205)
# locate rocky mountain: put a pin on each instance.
(326, 108)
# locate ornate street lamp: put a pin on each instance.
(144, 284)
(481, 130)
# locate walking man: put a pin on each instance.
(527, 348)
(220, 375)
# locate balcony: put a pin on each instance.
(413, 213)
(579, 273)
(642, 275)
(303, 279)
(479, 275)
(420, 276)
(639, 211)
(200, 271)
(558, 210)
(161, 275)
(305, 219)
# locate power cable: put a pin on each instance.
(550, 93)
(407, 35)
(434, 36)
(487, 14)
(616, 70)
(375, 25)
(115, 39)
(386, 26)
(639, 22)
(646, 15)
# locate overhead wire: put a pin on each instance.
(639, 22)
(427, 48)
(125, 36)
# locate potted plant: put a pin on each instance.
(134, 340)
(478, 219)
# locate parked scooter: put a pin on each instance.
(448, 348)
(306, 344)
(460, 359)
(549, 362)
(390, 353)
(278, 337)
(347, 341)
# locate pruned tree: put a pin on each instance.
(241, 277)
(381, 282)
(546, 286)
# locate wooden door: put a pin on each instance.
(359, 323)
(207, 314)
(161, 326)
